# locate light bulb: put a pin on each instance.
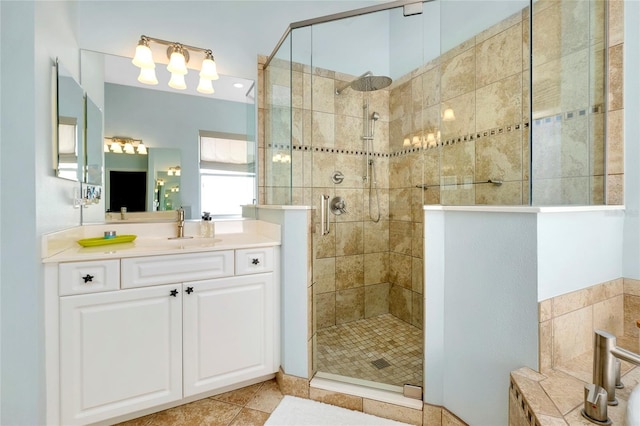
(177, 63)
(178, 171)
(448, 115)
(143, 57)
(205, 86)
(116, 148)
(148, 76)
(106, 147)
(128, 148)
(209, 69)
(177, 81)
(142, 149)
(407, 142)
(431, 139)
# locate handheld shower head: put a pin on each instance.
(375, 116)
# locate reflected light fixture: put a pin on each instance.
(178, 55)
(177, 81)
(148, 76)
(128, 148)
(448, 115)
(119, 145)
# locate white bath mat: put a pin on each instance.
(294, 411)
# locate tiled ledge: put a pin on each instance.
(426, 414)
(557, 397)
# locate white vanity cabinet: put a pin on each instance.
(228, 331)
(120, 351)
(171, 329)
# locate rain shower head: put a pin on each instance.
(370, 83)
(367, 82)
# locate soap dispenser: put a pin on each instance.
(207, 227)
(204, 224)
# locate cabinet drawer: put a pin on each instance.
(88, 277)
(254, 261)
(174, 268)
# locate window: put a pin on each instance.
(67, 147)
(227, 173)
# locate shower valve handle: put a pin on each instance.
(338, 206)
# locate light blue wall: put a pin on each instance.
(172, 120)
(294, 261)
(33, 200)
(485, 319)
(415, 39)
(578, 250)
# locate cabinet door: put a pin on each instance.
(228, 331)
(120, 352)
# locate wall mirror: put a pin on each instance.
(69, 144)
(169, 123)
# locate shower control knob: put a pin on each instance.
(337, 177)
(338, 206)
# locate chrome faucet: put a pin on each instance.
(180, 226)
(180, 222)
(606, 376)
(604, 362)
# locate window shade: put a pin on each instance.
(225, 152)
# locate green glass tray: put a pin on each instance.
(101, 241)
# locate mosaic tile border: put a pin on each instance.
(569, 115)
(563, 116)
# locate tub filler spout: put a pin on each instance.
(606, 376)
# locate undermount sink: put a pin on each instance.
(173, 242)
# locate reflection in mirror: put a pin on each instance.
(140, 180)
(93, 144)
(165, 118)
(70, 115)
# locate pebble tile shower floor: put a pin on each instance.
(362, 348)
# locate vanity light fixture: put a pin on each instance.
(118, 145)
(178, 55)
(174, 171)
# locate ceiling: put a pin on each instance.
(237, 31)
(120, 70)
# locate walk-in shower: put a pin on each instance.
(464, 106)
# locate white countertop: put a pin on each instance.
(153, 239)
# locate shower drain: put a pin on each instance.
(380, 363)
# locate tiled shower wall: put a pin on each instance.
(570, 62)
(362, 268)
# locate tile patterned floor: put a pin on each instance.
(350, 350)
(250, 406)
